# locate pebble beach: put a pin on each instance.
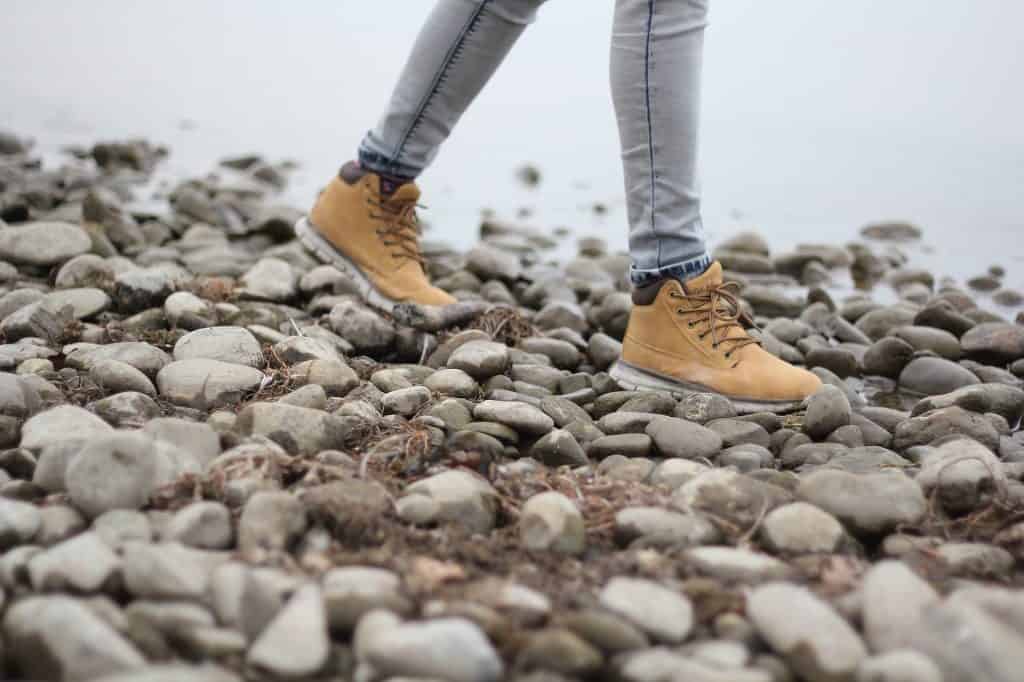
(217, 463)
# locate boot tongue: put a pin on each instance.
(711, 278)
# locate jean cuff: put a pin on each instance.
(382, 165)
(683, 270)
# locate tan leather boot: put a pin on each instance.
(684, 338)
(371, 236)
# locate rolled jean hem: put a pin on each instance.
(382, 165)
(681, 270)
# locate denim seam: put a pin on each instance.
(442, 75)
(650, 118)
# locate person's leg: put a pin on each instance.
(457, 52)
(656, 59)
(364, 222)
(686, 330)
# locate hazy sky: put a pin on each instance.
(818, 116)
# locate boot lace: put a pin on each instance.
(719, 309)
(400, 229)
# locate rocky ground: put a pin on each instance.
(218, 465)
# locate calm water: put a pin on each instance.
(819, 117)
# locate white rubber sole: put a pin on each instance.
(326, 253)
(634, 379)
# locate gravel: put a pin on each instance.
(216, 463)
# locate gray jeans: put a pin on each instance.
(656, 57)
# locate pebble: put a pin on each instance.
(827, 410)
(203, 525)
(82, 564)
(141, 356)
(351, 592)
(451, 649)
(664, 528)
(661, 612)
(203, 384)
(559, 448)
(899, 666)
(985, 642)
(997, 342)
(813, 638)
(58, 523)
(19, 522)
(455, 496)
(298, 430)
(60, 424)
(740, 432)
(167, 570)
(625, 444)
(480, 359)
(935, 376)
(234, 345)
(603, 350)
(118, 471)
(452, 382)
(866, 504)
(704, 407)
(295, 643)
(674, 437)
(561, 651)
(962, 474)
(82, 303)
(523, 418)
(550, 521)
(938, 341)
(607, 631)
(43, 243)
(1006, 401)
(730, 495)
(118, 527)
(367, 331)
(270, 279)
(406, 402)
(732, 564)
(926, 428)
(117, 377)
(887, 357)
(270, 522)
(58, 638)
(801, 528)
